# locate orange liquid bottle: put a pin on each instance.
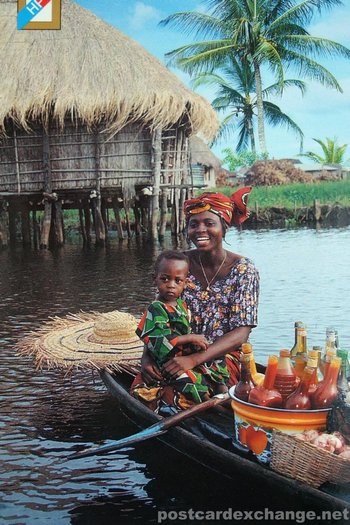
(285, 381)
(265, 394)
(300, 399)
(312, 364)
(327, 391)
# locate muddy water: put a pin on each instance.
(43, 416)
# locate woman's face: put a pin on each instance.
(205, 231)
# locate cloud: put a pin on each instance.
(142, 14)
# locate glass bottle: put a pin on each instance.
(245, 383)
(320, 364)
(298, 330)
(300, 398)
(312, 365)
(330, 343)
(327, 391)
(328, 358)
(285, 381)
(256, 376)
(300, 364)
(265, 394)
(342, 383)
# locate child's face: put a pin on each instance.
(171, 279)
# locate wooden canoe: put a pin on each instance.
(207, 439)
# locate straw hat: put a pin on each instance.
(86, 340)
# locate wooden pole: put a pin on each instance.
(35, 230)
(96, 200)
(116, 209)
(81, 222)
(87, 217)
(58, 223)
(46, 222)
(127, 220)
(184, 180)
(12, 222)
(25, 224)
(157, 162)
(165, 191)
(104, 216)
(137, 219)
(3, 224)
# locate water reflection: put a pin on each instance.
(45, 417)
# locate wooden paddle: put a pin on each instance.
(155, 430)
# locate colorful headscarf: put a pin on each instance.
(233, 210)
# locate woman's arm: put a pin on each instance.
(223, 345)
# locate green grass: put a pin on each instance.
(297, 195)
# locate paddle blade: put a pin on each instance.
(150, 432)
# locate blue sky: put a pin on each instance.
(320, 113)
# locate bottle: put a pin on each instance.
(300, 364)
(300, 398)
(257, 377)
(298, 328)
(312, 365)
(285, 381)
(245, 383)
(327, 391)
(265, 394)
(330, 343)
(320, 363)
(328, 358)
(301, 344)
(342, 382)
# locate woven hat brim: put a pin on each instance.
(67, 343)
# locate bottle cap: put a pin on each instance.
(317, 348)
(298, 324)
(246, 348)
(313, 354)
(284, 353)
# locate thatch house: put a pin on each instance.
(205, 165)
(87, 119)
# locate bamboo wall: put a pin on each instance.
(84, 169)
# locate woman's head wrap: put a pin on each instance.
(232, 210)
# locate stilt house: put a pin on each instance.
(91, 121)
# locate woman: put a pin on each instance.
(222, 290)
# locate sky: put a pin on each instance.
(320, 113)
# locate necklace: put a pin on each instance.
(216, 273)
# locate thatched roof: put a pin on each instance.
(91, 71)
(202, 154)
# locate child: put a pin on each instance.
(165, 326)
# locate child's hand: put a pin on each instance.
(199, 340)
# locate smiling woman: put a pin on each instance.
(221, 293)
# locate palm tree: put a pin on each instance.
(235, 94)
(332, 152)
(268, 33)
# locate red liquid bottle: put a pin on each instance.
(300, 399)
(245, 383)
(327, 391)
(266, 395)
(285, 381)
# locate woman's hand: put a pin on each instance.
(178, 365)
(149, 371)
(199, 340)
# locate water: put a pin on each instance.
(44, 416)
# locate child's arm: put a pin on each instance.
(155, 332)
(194, 339)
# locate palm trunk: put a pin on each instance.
(260, 108)
(251, 135)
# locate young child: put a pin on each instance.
(165, 325)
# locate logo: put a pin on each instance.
(38, 14)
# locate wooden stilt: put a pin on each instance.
(87, 217)
(116, 209)
(3, 224)
(46, 222)
(98, 222)
(157, 162)
(36, 230)
(46, 225)
(58, 223)
(137, 220)
(104, 216)
(81, 222)
(127, 221)
(12, 222)
(25, 224)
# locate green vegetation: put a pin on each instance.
(263, 35)
(297, 195)
(332, 152)
(234, 161)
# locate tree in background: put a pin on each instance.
(235, 97)
(269, 33)
(332, 152)
(234, 160)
